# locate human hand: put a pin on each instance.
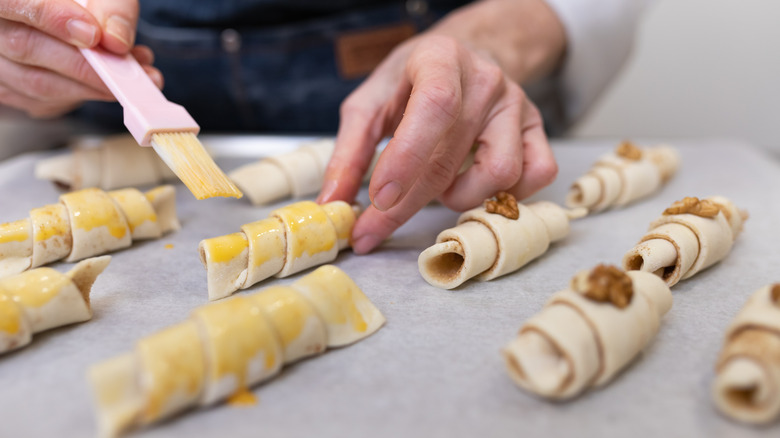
(444, 98)
(42, 71)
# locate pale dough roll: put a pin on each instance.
(555, 355)
(300, 330)
(298, 173)
(107, 163)
(747, 381)
(699, 240)
(85, 223)
(637, 178)
(241, 348)
(623, 176)
(576, 342)
(41, 299)
(294, 238)
(347, 313)
(487, 245)
(222, 349)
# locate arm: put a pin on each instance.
(41, 69)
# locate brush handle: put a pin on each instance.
(146, 110)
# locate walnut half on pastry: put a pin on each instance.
(228, 346)
(689, 237)
(86, 223)
(295, 237)
(493, 240)
(623, 176)
(586, 334)
(747, 375)
(42, 298)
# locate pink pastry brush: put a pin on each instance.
(166, 126)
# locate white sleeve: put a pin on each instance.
(600, 34)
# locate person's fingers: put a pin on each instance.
(498, 160)
(434, 106)
(63, 19)
(143, 54)
(360, 129)
(155, 75)
(46, 86)
(119, 20)
(373, 226)
(33, 108)
(24, 45)
(539, 165)
(370, 113)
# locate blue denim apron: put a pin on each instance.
(260, 65)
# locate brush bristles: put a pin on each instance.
(187, 158)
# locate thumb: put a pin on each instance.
(118, 19)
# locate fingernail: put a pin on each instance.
(365, 243)
(82, 34)
(387, 196)
(328, 187)
(120, 28)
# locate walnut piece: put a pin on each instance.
(605, 284)
(629, 151)
(692, 205)
(505, 204)
(775, 294)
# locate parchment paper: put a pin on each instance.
(434, 370)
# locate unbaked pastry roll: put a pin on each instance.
(226, 347)
(295, 237)
(623, 176)
(41, 299)
(586, 334)
(747, 380)
(107, 163)
(493, 240)
(86, 223)
(690, 236)
(298, 173)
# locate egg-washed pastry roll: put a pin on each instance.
(107, 163)
(226, 347)
(586, 334)
(298, 173)
(623, 176)
(690, 236)
(493, 240)
(41, 299)
(295, 237)
(747, 375)
(86, 223)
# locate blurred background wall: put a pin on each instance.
(700, 68)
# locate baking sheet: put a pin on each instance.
(434, 370)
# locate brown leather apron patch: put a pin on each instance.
(359, 52)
